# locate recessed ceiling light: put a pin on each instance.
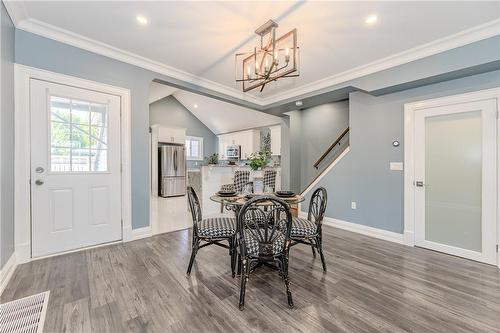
(298, 103)
(371, 19)
(142, 20)
(195, 106)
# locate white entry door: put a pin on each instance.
(75, 168)
(455, 179)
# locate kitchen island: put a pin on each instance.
(214, 176)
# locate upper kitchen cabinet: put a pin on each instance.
(275, 139)
(249, 142)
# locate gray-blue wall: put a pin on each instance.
(36, 51)
(312, 131)
(7, 137)
(363, 175)
(169, 111)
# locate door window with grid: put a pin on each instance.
(78, 136)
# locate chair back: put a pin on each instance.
(270, 179)
(194, 205)
(240, 179)
(265, 222)
(317, 206)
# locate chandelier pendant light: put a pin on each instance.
(275, 58)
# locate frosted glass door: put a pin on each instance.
(453, 179)
(455, 168)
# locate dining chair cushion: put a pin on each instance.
(302, 227)
(217, 227)
(252, 243)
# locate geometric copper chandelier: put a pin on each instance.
(273, 59)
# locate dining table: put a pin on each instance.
(235, 202)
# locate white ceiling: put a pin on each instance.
(201, 38)
(222, 117)
(158, 91)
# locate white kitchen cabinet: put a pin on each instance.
(275, 139)
(222, 146)
(170, 134)
(249, 142)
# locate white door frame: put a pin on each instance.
(22, 147)
(409, 151)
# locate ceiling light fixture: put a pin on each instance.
(371, 19)
(273, 59)
(298, 103)
(142, 20)
(195, 106)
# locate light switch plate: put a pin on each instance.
(396, 166)
(353, 205)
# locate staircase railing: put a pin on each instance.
(338, 142)
(334, 144)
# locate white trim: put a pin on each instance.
(141, 233)
(323, 173)
(409, 151)
(73, 39)
(447, 43)
(22, 215)
(7, 271)
(362, 229)
(21, 19)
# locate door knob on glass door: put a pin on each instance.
(39, 182)
(419, 183)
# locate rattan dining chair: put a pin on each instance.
(308, 231)
(210, 231)
(270, 179)
(264, 225)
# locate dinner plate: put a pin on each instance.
(226, 194)
(285, 194)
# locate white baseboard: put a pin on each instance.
(140, 233)
(7, 271)
(362, 229)
(409, 238)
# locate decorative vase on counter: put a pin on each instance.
(258, 173)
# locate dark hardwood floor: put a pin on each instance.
(371, 286)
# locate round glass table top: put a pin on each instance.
(241, 199)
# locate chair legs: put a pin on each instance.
(245, 265)
(283, 267)
(319, 246)
(194, 250)
(312, 249)
(232, 254)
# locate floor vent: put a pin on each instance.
(25, 315)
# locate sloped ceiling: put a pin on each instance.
(222, 117)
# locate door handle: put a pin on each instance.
(419, 183)
(39, 182)
(39, 170)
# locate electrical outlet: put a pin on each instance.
(353, 205)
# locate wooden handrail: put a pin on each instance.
(336, 142)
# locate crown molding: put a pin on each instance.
(67, 37)
(17, 11)
(21, 19)
(474, 34)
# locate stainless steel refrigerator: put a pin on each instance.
(172, 170)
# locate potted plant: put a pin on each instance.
(213, 159)
(259, 159)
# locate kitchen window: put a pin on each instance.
(194, 148)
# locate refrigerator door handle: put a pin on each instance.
(175, 161)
